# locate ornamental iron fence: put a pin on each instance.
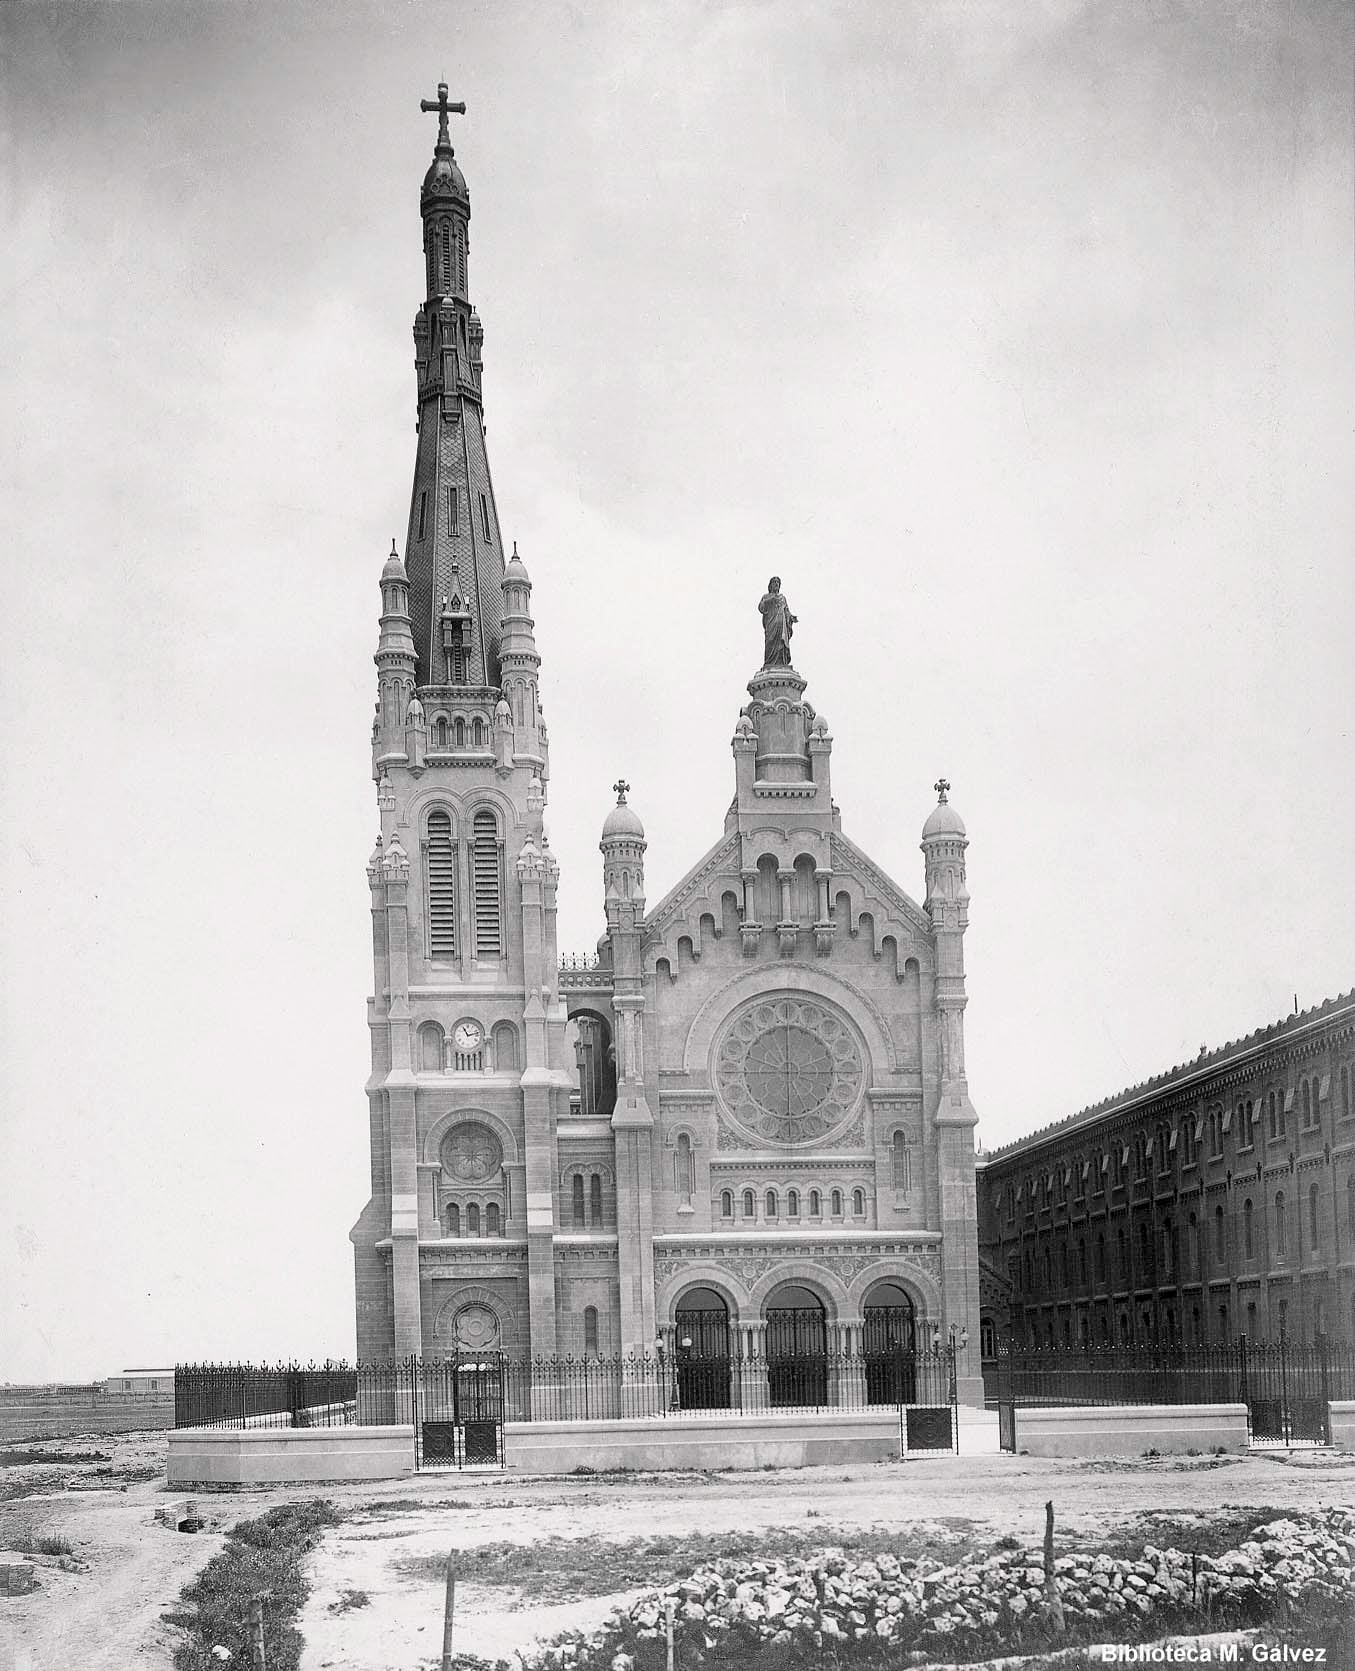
(1287, 1386)
(459, 1404)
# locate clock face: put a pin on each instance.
(468, 1036)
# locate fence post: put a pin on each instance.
(1243, 1389)
(1324, 1388)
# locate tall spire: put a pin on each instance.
(454, 551)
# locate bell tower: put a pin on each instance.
(457, 1244)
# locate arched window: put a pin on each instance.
(837, 1203)
(1048, 1270)
(487, 885)
(769, 1204)
(430, 1047)
(505, 1041)
(595, 1199)
(1314, 1233)
(1280, 1228)
(446, 258)
(1082, 1263)
(1345, 1092)
(1193, 1243)
(477, 732)
(590, 1329)
(792, 1203)
(1350, 1204)
(1306, 1102)
(579, 1218)
(726, 1203)
(459, 731)
(815, 1204)
(472, 1220)
(440, 862)
(1145, 1250)
(684, 1170)
(749, 1204)
(492, 1223)
(1271, 1129)
(1220, 1233)
(1248, 1231)
(1063, 1266)
(1100, 1258)
(901, 1170)
(858, 1203)
(453, 1220)
(1168, 1249)
(1122, 1253)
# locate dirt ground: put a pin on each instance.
(108, 1617)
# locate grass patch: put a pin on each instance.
(19, 1457)
(569, 1569)
(1208, 1533)
(260, 1557)
(40, 1543)
(350, 1599)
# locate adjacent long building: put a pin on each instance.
(1214, 1200)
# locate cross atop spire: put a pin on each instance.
(444, 109)
(622, 789)
(941, 786)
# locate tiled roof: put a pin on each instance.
(1205, 1062)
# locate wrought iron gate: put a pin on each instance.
(1286, 1388)
(459, 1411)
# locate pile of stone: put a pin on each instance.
(831, 1597)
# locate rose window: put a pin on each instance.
(788, 1069)
(472, 1153)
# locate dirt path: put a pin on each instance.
(108, 1618)
(389, 1556)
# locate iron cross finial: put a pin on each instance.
(444, 109)
(941, 786)
(622, 790)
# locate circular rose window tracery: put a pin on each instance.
(788, 1069)
(472, 1153)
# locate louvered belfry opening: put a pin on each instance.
(441, 887)
(487, 873)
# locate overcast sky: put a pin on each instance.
(1017, 338)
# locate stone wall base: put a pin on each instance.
(1131, 1429)
(1343, 1423)
(697, 1442)
(222, 1457)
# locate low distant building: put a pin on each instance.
(156, 1382)
(1214, 1200)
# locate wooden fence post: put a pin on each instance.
(448, 1611)
(1053, 1603)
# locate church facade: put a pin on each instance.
(745, 1122)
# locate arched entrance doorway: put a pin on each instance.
(889, 1344)
(701, 1350)
(797, 1347)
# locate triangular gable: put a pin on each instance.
(723, 856)
(850, 860)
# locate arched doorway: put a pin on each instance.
(889, 1344)
(797, 1347)
(701, 1350)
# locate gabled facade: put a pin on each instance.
(746, 1124)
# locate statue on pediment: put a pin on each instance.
(777, 625)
